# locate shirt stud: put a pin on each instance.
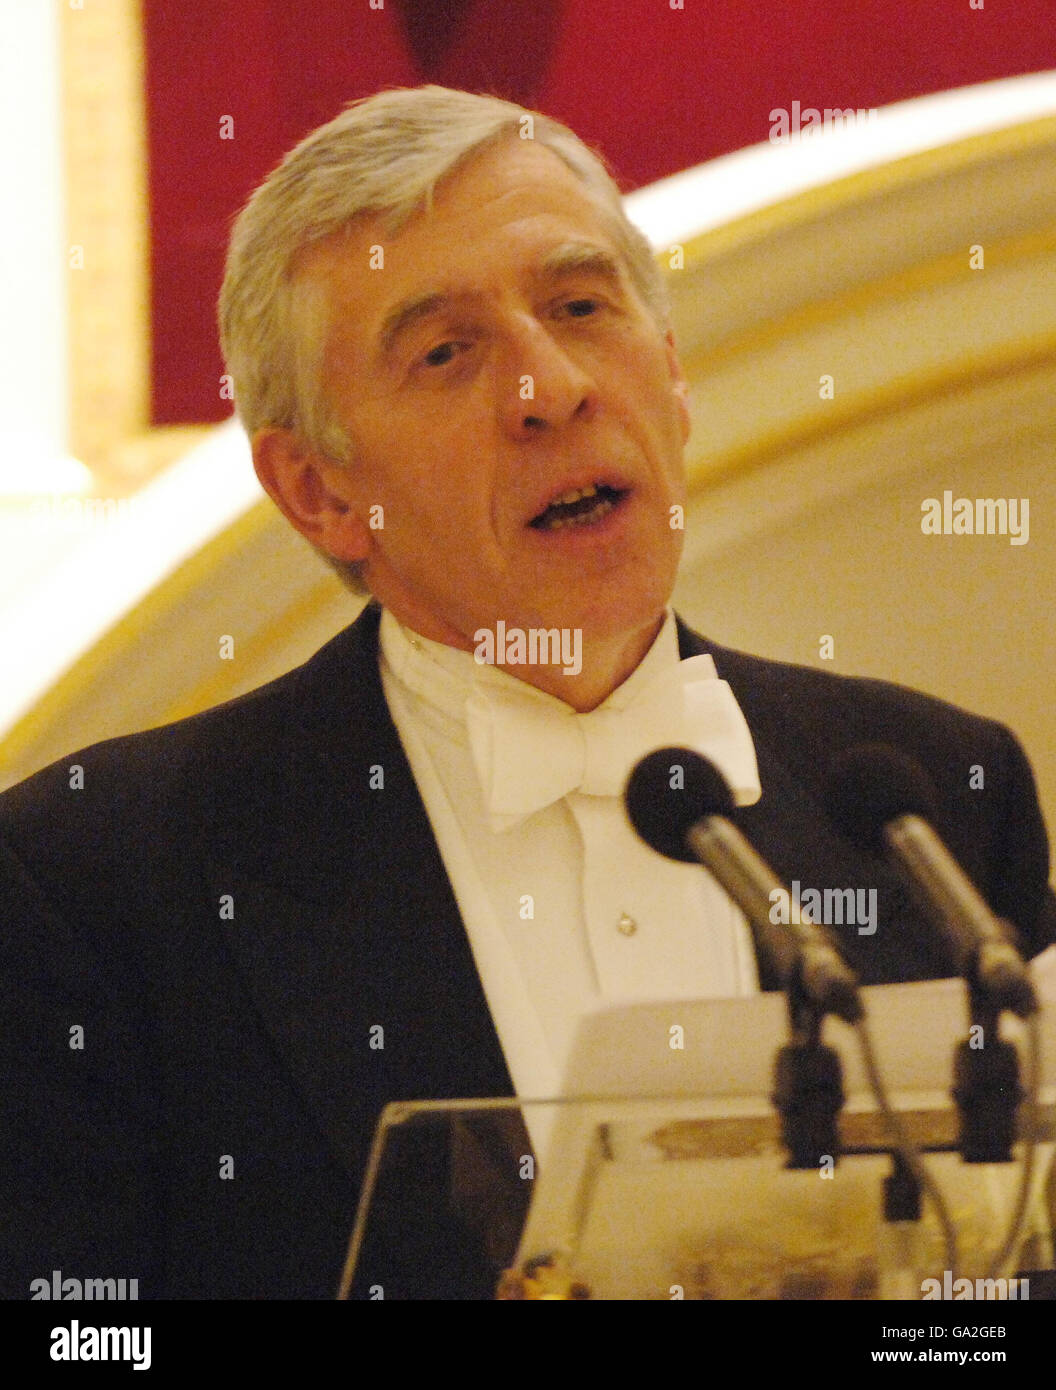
(626, 926)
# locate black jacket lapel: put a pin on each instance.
(346, 920)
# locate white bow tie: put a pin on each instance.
(529, 754)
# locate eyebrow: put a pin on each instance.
(582, 258)
(408, 312)
(570, 258)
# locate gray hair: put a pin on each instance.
(382, 156)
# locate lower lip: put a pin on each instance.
(583, 535)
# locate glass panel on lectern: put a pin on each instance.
(672, 1198)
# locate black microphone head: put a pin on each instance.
(872, 784)
(669, 791)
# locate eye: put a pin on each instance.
(440, 355)
(582, 308)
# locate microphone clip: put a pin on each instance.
(808, 1085)
(986, 1083)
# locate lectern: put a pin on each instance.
(662, 1171)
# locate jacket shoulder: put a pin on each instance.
(172, 779)
(842, 710)
(327, 679)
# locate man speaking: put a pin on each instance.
(403, 870)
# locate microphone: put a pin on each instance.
(691, 822)
(884, 800)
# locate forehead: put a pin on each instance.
(499, 217)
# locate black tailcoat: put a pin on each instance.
(227, 909)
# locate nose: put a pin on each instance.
(542, 387)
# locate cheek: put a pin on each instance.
(649, 389)
(430, 509)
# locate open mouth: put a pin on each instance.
(580, 507)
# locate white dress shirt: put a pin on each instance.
(566, 910)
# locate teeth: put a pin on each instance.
(574, 495)
(584, 519)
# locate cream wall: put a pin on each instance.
(779, 558)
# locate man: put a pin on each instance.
(403, 870)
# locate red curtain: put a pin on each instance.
(656, 88)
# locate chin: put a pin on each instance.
(613, 612)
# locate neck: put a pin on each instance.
(594, 673)
(583, 670)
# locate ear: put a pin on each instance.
(680, 386)
(315, 494)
